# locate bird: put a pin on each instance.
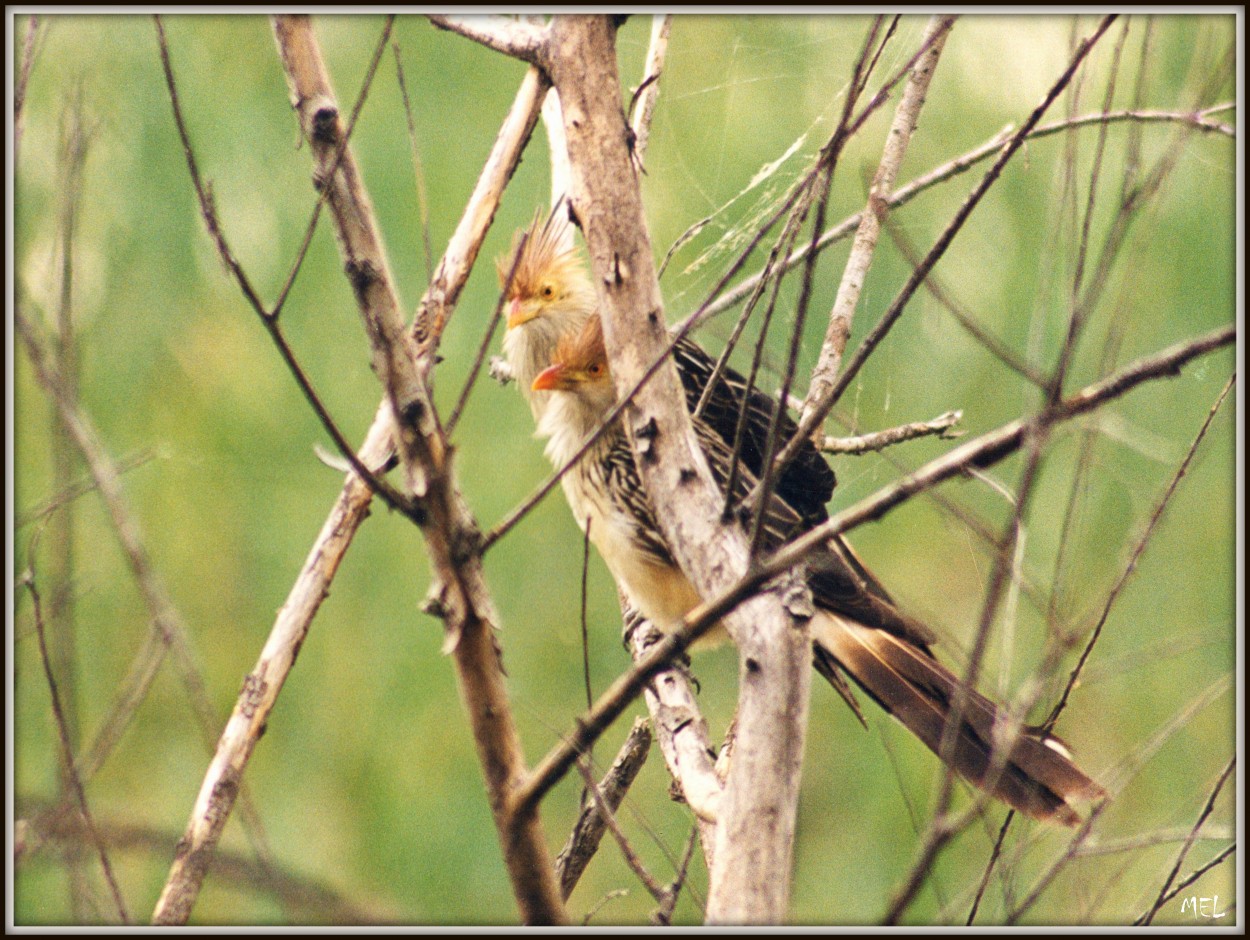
(856, 628)
(550, 295)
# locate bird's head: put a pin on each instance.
(549, 284)
(580, 368)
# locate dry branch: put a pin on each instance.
(750, 882)
(73, 781)
(516, 38)
(522, 843)
(583, 841)
(905, 118)
(879, 440)
(449, 529)
(679, 725)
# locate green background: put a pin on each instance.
(367, 779)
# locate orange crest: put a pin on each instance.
(584, 349)
(547, 257)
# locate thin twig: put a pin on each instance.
(484, 346)
(656, 889)
(270, 317)
(590, 698)
(649, 88)
(1131, 566)
(73, 780)
(418, 168)
(939, 292)
(1145, 919)
(662, 916)
(879, 440)
(1200, 871)
(79, 488)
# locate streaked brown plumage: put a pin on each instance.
(856, 627)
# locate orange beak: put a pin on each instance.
(551, 379)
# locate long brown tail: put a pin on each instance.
(1039, 779)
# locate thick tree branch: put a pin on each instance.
(750, 882)
(679, 725)
(516, 38)
(449, 529)
(583, 841)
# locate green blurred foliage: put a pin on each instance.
(367, 778)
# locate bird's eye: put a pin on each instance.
(547, 291)
(596, 369)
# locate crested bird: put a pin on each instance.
(856, 627)
(550, 295)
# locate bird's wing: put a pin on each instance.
(807, 483)
(838, 580)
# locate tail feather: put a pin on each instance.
(1038, 779)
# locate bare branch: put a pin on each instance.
(681, 731)
(465, 603)
(1149, 916)
(448, 527)
(879, 440)
(1200, 871)
(649, 88)
(515, 38)
(262, 686)
(864, 246)
(73, 779)
(774, 649)
(583, 841)
(939, 292)
(418, 169)
(453, 269)
(600, 801)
